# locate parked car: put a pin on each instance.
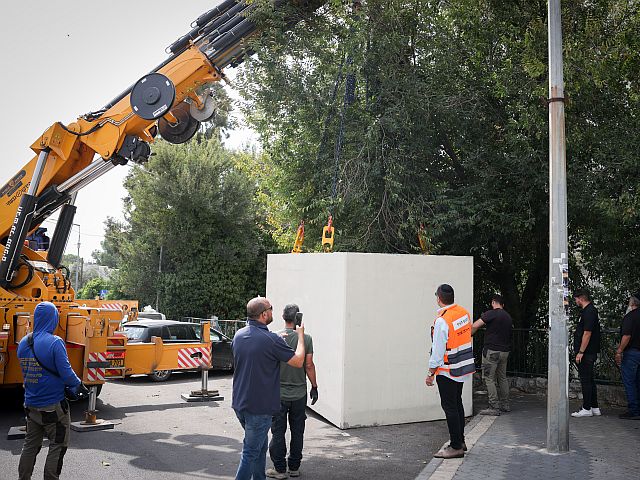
(171, 331)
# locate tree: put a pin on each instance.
(194, 204)
(449, 129)
(93, 288)
(109, 255)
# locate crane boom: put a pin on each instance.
(165, 101)
(169, 101)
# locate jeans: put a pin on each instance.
(494, 371)
(295, 410)
(451, 401)
(630, 369)
(587, 381)
(254, 446)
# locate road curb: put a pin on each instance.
(437, 469)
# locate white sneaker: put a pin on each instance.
(583, 413)
(596, 411)
(273, 473)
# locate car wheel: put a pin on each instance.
(160, 375)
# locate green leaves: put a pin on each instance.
(191, 236)
(450, 129)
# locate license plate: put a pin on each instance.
(116, 362)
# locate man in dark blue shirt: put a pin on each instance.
(257, 354)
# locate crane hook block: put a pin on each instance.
(327, 236)
(297, 246)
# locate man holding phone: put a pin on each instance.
(257, 354)
(293, 401)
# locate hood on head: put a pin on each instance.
(45, 318)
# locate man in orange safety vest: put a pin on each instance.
(451, 363)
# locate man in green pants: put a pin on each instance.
(495, 354)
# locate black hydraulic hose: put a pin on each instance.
(216, 35)
(221, 23)
(207, 29)
(126, 92)
(30, 272)
(205, 18)
(201, 22)
(231, 37)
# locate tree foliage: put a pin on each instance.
(194, 205)
(449, 129)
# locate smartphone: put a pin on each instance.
(299, 318)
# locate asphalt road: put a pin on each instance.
(159, 436)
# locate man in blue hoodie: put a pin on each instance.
(46, 410)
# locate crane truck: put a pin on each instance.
(171, 101)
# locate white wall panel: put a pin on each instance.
(370, 317)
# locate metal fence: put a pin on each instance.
(530, 353)
(230, 327)
(227, 327)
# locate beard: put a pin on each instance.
(270, 319)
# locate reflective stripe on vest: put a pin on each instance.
(458, 358)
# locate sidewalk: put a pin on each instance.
(512, 446)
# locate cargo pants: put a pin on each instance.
(494, 373)
(53, 422)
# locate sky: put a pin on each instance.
(62, 59)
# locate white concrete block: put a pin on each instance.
(370, 316)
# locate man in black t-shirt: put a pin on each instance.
(495, 354)
(586, 345)
(628, 357)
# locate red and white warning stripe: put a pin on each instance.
(111, 306)
(95, 374)
(194, 357)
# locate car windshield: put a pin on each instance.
(134, 333)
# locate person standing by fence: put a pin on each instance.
(586, 343)
(628, 357)
(495, 354)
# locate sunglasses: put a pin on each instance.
(266, 309)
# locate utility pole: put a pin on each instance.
(78, 261)
(158, 288)
(558, 376)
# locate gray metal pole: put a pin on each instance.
(558, 378)
(37, 172)
(78, 261)
(158, 289)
